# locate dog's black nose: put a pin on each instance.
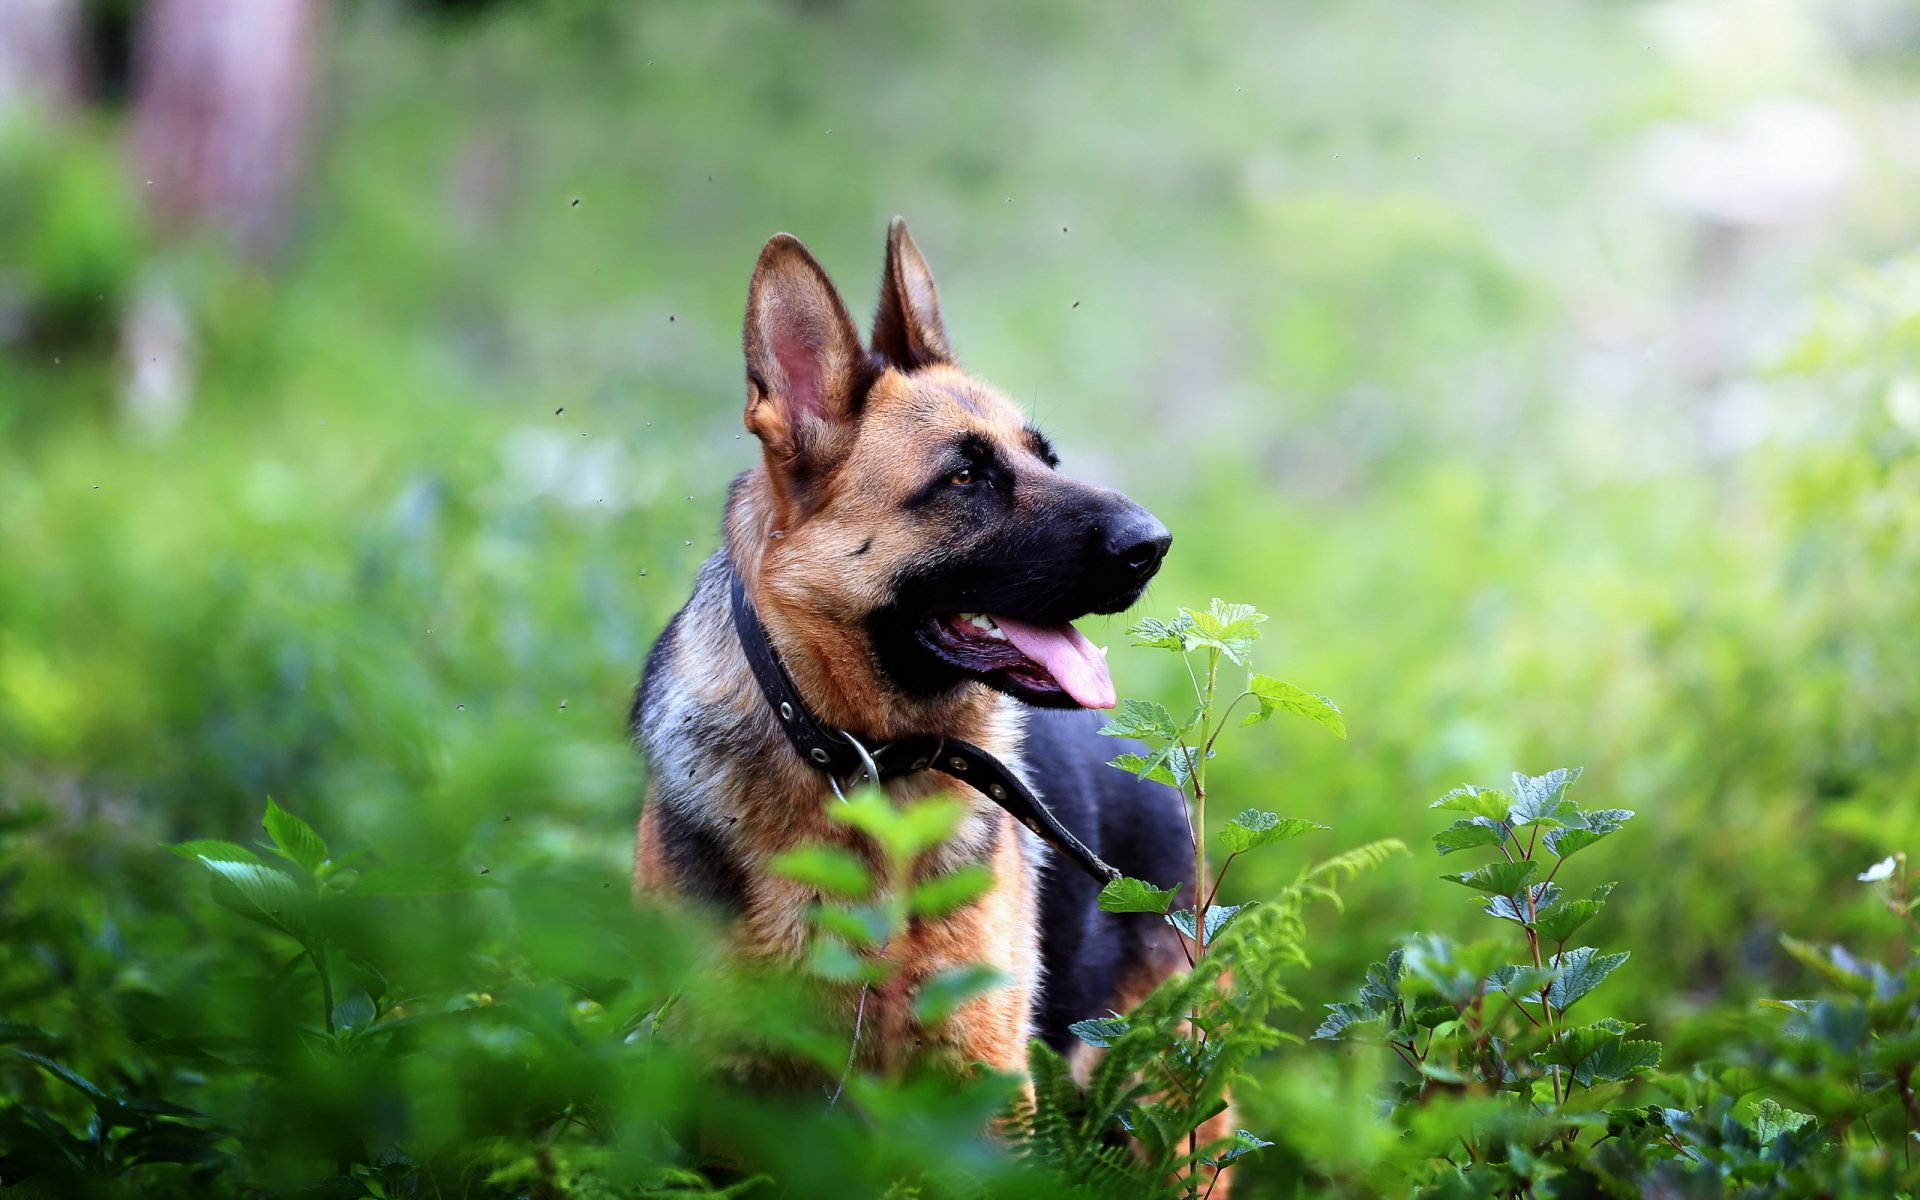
(1139, 543)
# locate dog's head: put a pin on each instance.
(916, 517)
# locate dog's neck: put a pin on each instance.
(833, 665)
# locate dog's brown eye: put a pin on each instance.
(962, 477)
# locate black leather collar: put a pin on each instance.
(839, 757)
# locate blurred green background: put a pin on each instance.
(1546, 371)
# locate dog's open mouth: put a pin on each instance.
(1044, 660)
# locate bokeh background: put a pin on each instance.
(370, 384)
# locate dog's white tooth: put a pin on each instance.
(983, 622)
(997, 634)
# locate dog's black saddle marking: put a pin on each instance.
(835, 755)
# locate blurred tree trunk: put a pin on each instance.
(223, 92)
(222, 97)
(39, 57)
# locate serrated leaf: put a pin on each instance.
(1563, 843)
(1141, 719)
(1100, 1032)
(1601, 1053)
(1134, 895)
(1490, 803)
(1514, 908)
(1580, 971)
(1229, 628)
(216, 851)
(1501, 878)
(294, 838)
(948, 893)
(1244, 1144)
(838, 872)
(1277, 696)
(1566, 918)
(1469, 832)
(1541, 799)
(1255, 828)
(1342, 1017)
(1161, 635)
(1171, 765)
(1520, 981)
(1770, 1120)
(261, 893)
(947, 990)
(1219, 916)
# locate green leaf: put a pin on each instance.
(294, 838)
(1514, 908)
(260, 893)
(1600, 1053)
(1170, 765)
(1541, 799)
(1244, 1143)
(1219, 916)
(1100, 1032)
(1141, 719)
(1133, 895)
(1491, 803)
(1501, 878)
(1770, 1120)
(1276, 696)
(1595, 825)
(1161, 635)
(1580, 971)
(1379, 996)
(865, 926)
(902, 833)
(1229, 628)
(1520, 981)
(948, 893)
(832, 870)
(65, 1074)
(1254, 828)
(1567, 918)
(355, 1012)
(1469, 832)
(946, 991)
(18, 1031)
(216, 851)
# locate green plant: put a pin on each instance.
(1468, 1020)
(1164, 1069)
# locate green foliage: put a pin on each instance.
(1505, 1096)
(1163, 1069)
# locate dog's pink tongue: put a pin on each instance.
(1075, 663)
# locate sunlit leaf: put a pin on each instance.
(1255, 828)
(1133, 895)
(1501, 878)
(294, 838)
(1278, 696)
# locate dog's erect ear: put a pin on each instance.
(906, 330)
(805, 364)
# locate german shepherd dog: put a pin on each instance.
(914, 556)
